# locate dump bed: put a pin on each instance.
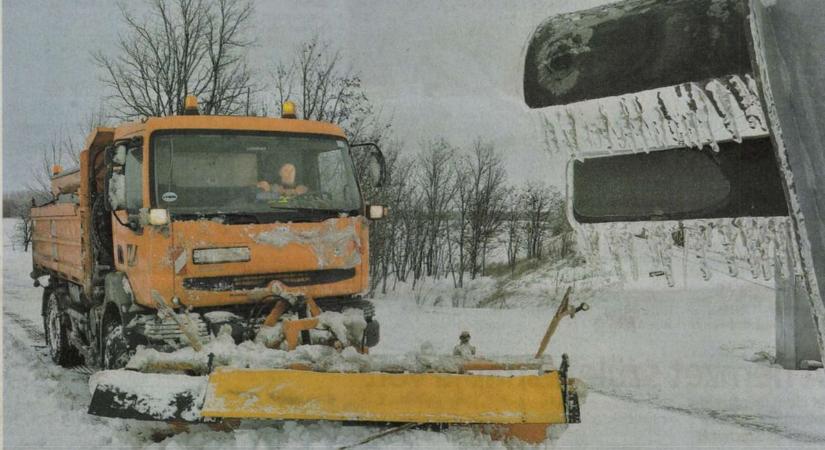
(56, 234)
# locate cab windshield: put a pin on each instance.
(233, 172)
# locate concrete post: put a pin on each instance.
(796, 338)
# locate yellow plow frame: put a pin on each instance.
(499, 395)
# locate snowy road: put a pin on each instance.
(667, 368)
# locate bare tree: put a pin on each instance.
(182, 47)
(62, 150)
(513, 227)
(437, 179)
(487, 206)
(461, 222)
(326, 90)
(538, 209)
(386, 236)
(18, 204)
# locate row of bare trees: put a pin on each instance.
(451, 208)
(200, 47)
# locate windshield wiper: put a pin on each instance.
(309, 214)
(229, 218)
(276, 214)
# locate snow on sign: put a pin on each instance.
(692, 119)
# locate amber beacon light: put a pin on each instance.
(288, 110)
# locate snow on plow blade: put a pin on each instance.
(147, 396)
(385, 397)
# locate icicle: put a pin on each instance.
(729, 234)
(748, 101)
(551, 138)
(585, 133)
(770, 249)
(780, 251)
(692, 118)
(630, 250)
(686, 115)
(696, 239)
(748, 231)
(568, 129)
(608, 130)
(703, 114)
(590, 236)
(722, 98)
(640, 123)
(703, 245)
(661, 122)
(614, 247)
(574, 129)
(659, 244)
(631, 132)
(674, 118)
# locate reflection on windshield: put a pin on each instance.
(209, 173)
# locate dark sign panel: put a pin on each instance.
(634, 46)
(740, 180)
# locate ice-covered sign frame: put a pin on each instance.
(686, 110)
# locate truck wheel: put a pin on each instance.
(116, 351)
(56, 325)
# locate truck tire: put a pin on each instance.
(56, 327)
(116, 350)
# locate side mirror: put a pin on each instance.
(115, 179)
(117, 191)
(373, 163)
(119, 155)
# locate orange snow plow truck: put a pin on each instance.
(213, 267)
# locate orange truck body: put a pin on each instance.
(321, 257)
(160, 258)
(57, 240)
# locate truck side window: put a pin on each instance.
(133, 172)
(332, 174)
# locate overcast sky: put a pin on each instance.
(437, 68)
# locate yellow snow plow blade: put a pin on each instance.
(384, 397)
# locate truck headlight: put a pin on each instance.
(220, 255)
(158, 217)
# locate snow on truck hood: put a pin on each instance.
(328, 242)
(333, 243)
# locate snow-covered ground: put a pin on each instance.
(666, 367)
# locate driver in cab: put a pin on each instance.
(285, 186)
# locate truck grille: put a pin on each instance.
(168, 330)
(246, 282)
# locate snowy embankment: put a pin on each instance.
(665, 367)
